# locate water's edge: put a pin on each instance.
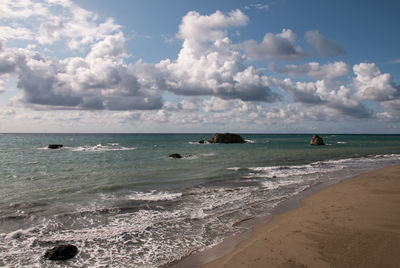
(229, 243)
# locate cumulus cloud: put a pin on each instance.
(8, 60)
(197, 29)
(314, 69)
(22, 33)
(2, 82)
(22, 9)
(324, 47)
(211, 77)
(192, 104)
(391, 110)
(79, 26)
(371, 84)
(281, 46)
(98, 81)
(208, 64)
(324, 92)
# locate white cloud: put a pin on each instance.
(218, 105)
(7, 112)
(214, 84)
(8, 60)
(281, 46)
(22, 9)
(78, 26)
(324, 47)
(2, 82)
(208, 64)
(198, 29)
(111, 47)
(325, 93)
(391, 110)
(371, 84)
(315, 70)
(260, 7)
(98, 81)
(7, 32)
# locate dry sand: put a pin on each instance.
(355, 223)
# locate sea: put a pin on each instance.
(124, 203)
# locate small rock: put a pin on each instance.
(61, 252)
(55, 146)
(175, 156)
(316, 140)
(201, 141)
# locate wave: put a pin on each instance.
(197, 142)
(197, 156)
(100, 148)
(96, 148)
(140, 228)
(276, 176)
(153, 196)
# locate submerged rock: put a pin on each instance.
(175, 156)
(61, 252)
(201, 141)
(55, 146)
(316, 140)
(226, 138)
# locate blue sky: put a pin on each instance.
(285, 66)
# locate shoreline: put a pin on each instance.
(297, 242)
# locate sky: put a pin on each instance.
(153, 66)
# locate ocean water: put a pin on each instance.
(124, 203)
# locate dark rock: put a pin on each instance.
(61, 253)
(316, 140)
(175, 156)
(201, 141)
(226, 138)
(55, 146)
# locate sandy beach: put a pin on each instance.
(355, 223)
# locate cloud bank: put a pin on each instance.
(212, 77)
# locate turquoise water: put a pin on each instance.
(124, 202)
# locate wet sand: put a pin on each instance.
(355, 223)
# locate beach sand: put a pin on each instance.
(355, 223)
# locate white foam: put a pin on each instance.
(100, 148)
(198, 214)
(196, 142)
(153, 196)
(341, 142)
(249, 141)
(190, 157)
(275, 184)
(153, 237)
(209, 154)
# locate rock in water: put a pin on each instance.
(61, 253)
(55, 146)
(226, 138)
(316, 140)
(175, 156)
